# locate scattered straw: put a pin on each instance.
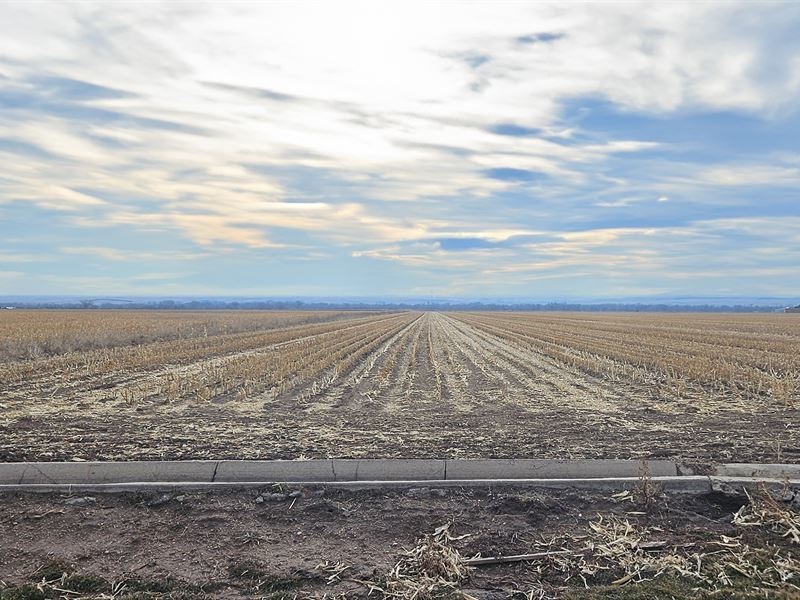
(333, 570)
(432, 569)
(765, 511)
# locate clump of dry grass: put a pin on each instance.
(634, 555)
(431, 569)
(764, 510)
(627, 553)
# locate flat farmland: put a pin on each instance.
(116, 385)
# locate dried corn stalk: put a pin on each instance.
(431, 569)
(765, 511)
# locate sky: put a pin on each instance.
(469, 149)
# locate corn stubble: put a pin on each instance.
(396, 383)
(743, 356)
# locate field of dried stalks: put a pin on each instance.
(148, 385)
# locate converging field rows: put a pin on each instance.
(417, 385)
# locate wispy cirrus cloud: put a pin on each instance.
(409, 145)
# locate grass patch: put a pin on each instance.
(676, 588)
(52, 570)
(664, 588)
(58, 580)
(259, 580)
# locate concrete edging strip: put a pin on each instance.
(360, 470)
(698, 483)
(330, 470)
(106, 472)
(773, 471)
(690, 484)
(527, 468)
(323, 470)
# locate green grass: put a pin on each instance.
(62, 576)
(260, 580)
(51, 577)
(676, 588)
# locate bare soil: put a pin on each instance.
(231, 545)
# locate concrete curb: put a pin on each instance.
(776, 471)
(323, 470)
(373, 472)
(692, 484)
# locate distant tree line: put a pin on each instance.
(200, 304)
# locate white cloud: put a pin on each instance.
(751, 174)
(374, 129)
(363, 89)
(117, 254)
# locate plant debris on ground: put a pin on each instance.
(469, 544)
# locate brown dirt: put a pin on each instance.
(204, 542)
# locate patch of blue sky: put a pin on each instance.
(30, 226)
(512, 130)
(21, 148)
(456, 244)
(75, 89)
(311, 275)
(476, 59)
(699, 135)
(513, 174)
(539, 38)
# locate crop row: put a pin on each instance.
(721, 360)
(303, 367)
(33, 334)
(104, 366)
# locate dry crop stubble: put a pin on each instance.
(693, 386)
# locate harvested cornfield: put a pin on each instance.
(29, 334)
(699, 387)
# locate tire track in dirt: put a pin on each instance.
(487, 380)
(427, 390)
(453, 388)
(521, 374)
(394, 385)
(418, 380)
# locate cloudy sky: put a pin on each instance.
(463, 149)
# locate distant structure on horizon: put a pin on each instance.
(792, 309)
